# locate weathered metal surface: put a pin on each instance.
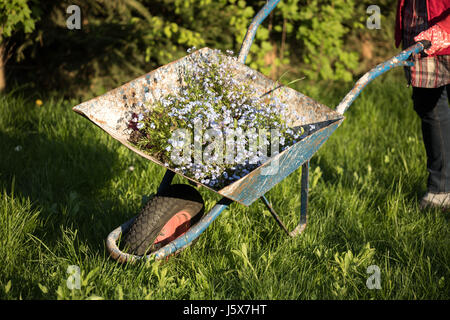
(255, 184)
(173, 247)
(112, 111)
(251, 32)
(397, 61)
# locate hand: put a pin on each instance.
(439, 38)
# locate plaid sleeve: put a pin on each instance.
(427, 72)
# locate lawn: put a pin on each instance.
(65, 184)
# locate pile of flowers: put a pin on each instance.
(215, 129)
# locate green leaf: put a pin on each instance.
(8, 287)
(43, 288)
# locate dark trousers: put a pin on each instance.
(432, 106)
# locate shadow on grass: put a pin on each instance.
(63, 178)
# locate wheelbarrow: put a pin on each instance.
(112, 111)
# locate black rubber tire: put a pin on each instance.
(139, 238)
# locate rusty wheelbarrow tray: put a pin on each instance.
(112, 111)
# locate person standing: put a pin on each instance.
(430, 79)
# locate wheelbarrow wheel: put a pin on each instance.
(163, 219)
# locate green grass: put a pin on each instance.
(70, 185)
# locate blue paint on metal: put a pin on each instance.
(303, 200)
(397, 61)
(256, 184)
(274, 214)
(251, 32)
(304, 189)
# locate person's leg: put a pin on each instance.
(432, 107)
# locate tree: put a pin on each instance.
(15, 16)
(122, 39)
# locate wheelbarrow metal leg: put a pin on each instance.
(303, 201)
(251, 32)
(303, 204)
(166, 181)
(274, 214)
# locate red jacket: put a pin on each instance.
(438, 13)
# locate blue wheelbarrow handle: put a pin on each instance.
(251, 32)
(397, 61)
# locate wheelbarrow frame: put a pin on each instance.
(302, 152)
